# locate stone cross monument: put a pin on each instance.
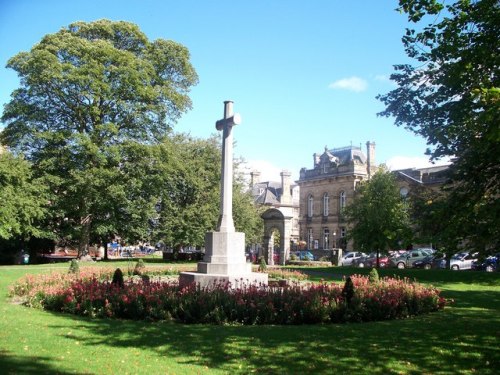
(225, 259)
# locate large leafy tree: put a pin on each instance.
(190, 201)
(451, 97)
(378, 217)
(93, 98)
(23, 199)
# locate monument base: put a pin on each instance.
(224, 262)
(236, 281)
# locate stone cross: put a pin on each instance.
(225, 223)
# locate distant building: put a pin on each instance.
(429, 177)
(325, 191)
(281, 217)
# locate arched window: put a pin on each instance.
(310, 207)
(342, 201)
(326, 202)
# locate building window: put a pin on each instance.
(326, 238)
(326, 202)
(342, 201)
(310, 207)
(309, 238)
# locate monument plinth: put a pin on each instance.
(225, 259)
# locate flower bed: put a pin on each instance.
(295, 304)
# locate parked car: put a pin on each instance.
(349, 257)
(462, 261)
(430, 261)
(407, 259)
(383, 260)
(370, 260)
(489, 264)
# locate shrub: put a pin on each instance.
(262, 265)
(358, 300)
(348, 290)
(373, 276)
(139, 267)
(118, 278)
(74, 267)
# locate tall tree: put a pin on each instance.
(378, 217)
(24, 199)
(451, 97)
(93, 96)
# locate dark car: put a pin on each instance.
(371, 261)
(489, 264)
(430, 261)
(407, 259)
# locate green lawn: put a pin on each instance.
(464, 339)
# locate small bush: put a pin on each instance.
(262, 265)
(348, 290)
(139, 268)
(293, 257)
(74, 267)
(118, 278)
(373, 276)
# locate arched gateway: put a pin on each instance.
(276, 221)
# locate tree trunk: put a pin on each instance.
(83, 245)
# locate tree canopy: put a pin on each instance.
(94, 98)
(378, 216)
(451, 98)
(24, 198)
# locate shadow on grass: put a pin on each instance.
(457, 340)
(13, 364)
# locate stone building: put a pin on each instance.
(326, 189)
(430, 177)
(281, 225)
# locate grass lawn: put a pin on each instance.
(463, 339)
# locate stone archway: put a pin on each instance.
(275, 220)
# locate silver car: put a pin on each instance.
(462, 261)
(349, 257)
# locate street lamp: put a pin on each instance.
(334, 239)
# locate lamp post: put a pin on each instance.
(334, 239)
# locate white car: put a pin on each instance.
(462, 261)
(347, 258)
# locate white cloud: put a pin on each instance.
(355, 84)
(403, 162)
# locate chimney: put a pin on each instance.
(286, 196)
(254, 178)
(370, 158)
(316, 159)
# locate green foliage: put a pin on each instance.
(451, 97)
(379, 218)
(348, 290)
(373, 276)
(23, 198)
(118, 278)
(140, 267)
(262, 264)
(74, 266)
(95, 100)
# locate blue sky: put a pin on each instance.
(302, 74)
